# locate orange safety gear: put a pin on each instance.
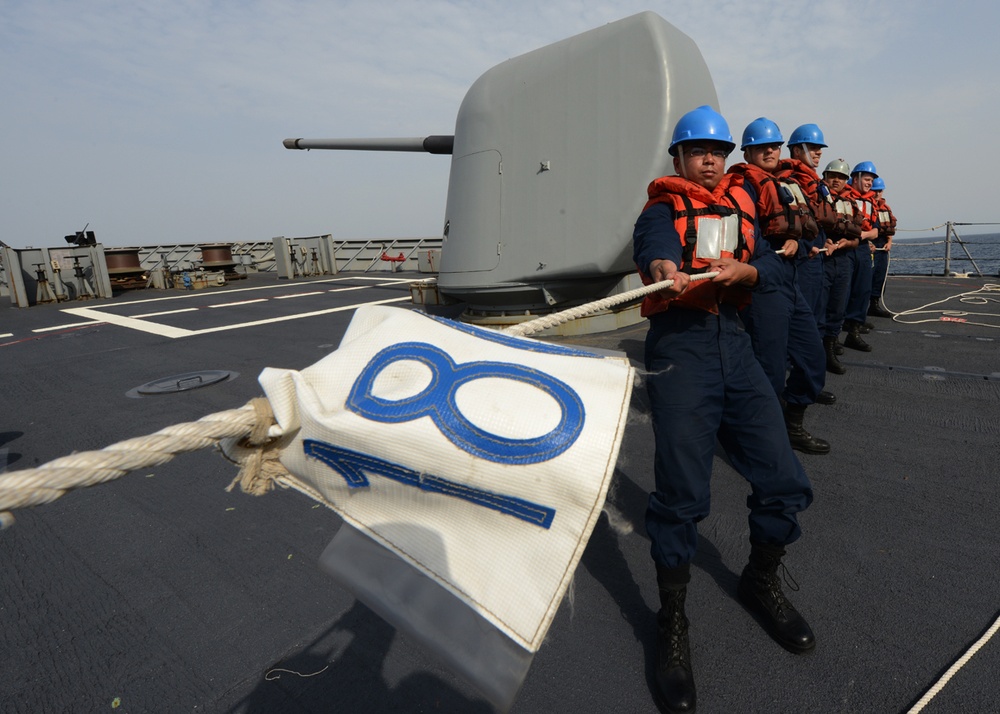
(837, 214)
(866, 206)
(783, 210)
(692, 204)
(886, 219)
(801, 173)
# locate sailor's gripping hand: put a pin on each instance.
(661, 270)
(733, 272)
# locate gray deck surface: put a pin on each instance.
(166, 594)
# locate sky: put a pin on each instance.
(161, 122)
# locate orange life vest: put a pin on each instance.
(837, 214)
(783, 211)
(866, 206)
(691, 204)
(802, 174)
(886, 219)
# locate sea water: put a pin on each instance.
(925, 256)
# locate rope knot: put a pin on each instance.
(257, 453)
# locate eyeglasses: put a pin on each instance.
(698, 152)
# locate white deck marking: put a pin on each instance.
(300, 315)
(137, 322)
(201, 293)
(234, 304)
(130, 322)
(175, 332)
(297, 295)
(68, 326)
(167, 312)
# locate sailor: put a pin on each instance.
(840, 222)
(886, 224)
(861, 277)
(805, 146)
(705, 383)
(781, 324)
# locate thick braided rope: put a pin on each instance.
(959, 663)
(244, 429)
(559, 318)
(46, 483)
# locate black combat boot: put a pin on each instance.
(760, 591)
(798, 437)
(674, 680)
(832, 363)
(826, 397)
(877, 308)
(854, 339)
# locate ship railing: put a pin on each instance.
(369, 253)
(948, 257)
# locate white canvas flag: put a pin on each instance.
(481, 459)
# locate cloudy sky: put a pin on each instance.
(161, 122)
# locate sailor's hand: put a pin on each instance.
(831, 246)
(733, 272)
(667, 270)
(814, 251)
(791, 248)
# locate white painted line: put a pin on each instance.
(130, 322)
(234, 304)
(68, 326)
(166, 312)
(297, 295)
(295, 317)
(281, 286)
(175, 332)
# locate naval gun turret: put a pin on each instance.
(551, 157)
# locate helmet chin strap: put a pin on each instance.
(680, 155)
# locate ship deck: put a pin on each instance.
(162, 592)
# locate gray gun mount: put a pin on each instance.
(551, 157)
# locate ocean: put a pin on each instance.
(926, 256)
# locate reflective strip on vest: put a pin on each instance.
(717, 235)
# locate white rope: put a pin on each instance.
(46, 483)
(921, 230)
(961, 662)
(988, 293)
(558, 318)
(250, 423)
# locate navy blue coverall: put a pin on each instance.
(861, 284)
(704, 383)
(783, 332)
(837, 270)
(809, 277)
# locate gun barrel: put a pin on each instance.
(437, 144)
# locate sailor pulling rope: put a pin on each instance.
(256, 434)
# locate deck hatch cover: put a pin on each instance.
(183, 382)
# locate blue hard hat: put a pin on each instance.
(701, 123)
(865, 167)
(878, 184)
(807, 134)
(761, 131)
